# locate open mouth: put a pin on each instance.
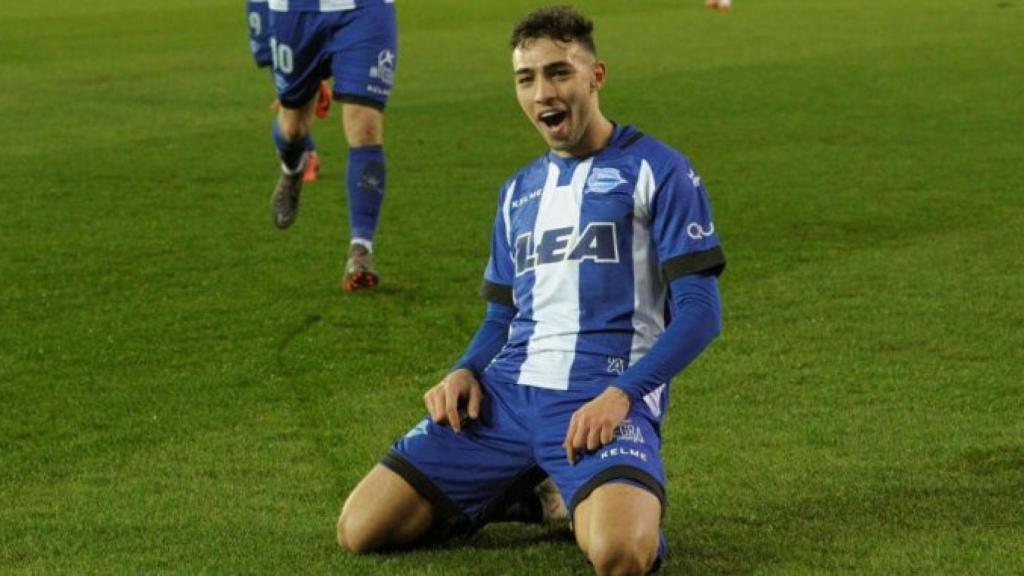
(553, 118)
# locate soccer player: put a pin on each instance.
(355, 43)
(601, 287)
(257, 13)
(720, 5)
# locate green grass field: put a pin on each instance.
(184, 390)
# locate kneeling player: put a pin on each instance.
(568, 374)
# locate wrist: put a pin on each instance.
(458, 368)
(619, 394)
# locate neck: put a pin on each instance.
(595, 137)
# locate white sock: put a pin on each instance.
(368, 244)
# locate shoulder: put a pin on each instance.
(646, 157)
(663, 159)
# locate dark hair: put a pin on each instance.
(562, 23)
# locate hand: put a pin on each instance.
(593, 425)
(443, 399)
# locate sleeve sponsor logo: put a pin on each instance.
(698, 232)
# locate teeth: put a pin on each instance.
(549, 114)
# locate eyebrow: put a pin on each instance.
(546, 68)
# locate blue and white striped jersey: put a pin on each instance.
(322, 5)
(585, 248)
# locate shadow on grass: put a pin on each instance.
(296, 331)
(511, 535)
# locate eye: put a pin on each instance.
(524, 80)
(560, 73)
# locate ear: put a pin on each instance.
(600, 73)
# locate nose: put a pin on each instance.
(544, 91)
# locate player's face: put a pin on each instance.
(557, 84)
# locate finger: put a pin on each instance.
(434, 406)
(579, 440)
(475, 397)
(594, 439)
(607, 433)
(570, 453)
(451, 408)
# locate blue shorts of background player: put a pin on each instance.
(471, 476)
(358, 48)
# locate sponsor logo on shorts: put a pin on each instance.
(629, 432)
(385, 68)
(630, 452)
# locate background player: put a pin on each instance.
(258, 15)
(568, 372)
(355, 43)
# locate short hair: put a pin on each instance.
(562, 23)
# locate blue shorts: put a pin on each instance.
(358, 48)
(258, 15)
(474, 474)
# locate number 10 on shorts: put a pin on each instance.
(282, 56)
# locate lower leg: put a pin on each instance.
(291, 136)
(366, 182)
(367, 169)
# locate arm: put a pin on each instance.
(443, 399)
(489, 339)
(697, 322)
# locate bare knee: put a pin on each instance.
(293, 124)
(364, 125)
(383, 511)
(617, 528)
(622, 557)
(356, 534)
